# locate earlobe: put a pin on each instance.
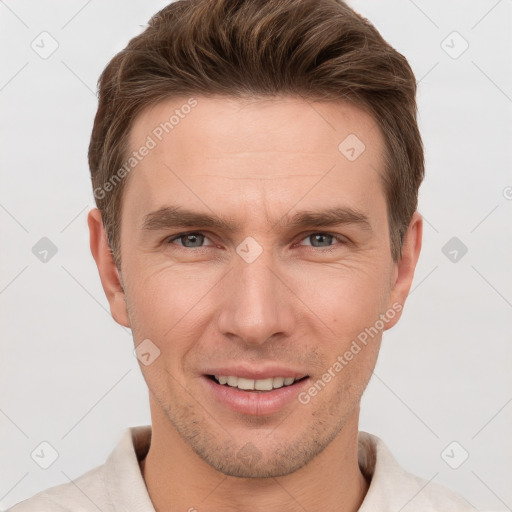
(405, 268)
(109, 275)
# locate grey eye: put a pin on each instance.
(320, 239)
(190, 240)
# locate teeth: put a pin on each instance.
(263, 384)
(245, 383)
(278, 382)
(252, 384)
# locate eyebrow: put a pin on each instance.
(168, 217)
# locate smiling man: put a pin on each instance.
(256, 168)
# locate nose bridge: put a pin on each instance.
(255, 306)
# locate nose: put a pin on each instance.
(258, 302)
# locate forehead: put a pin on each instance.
(251, 125)
(253, 150)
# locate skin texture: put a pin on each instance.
(255, 162)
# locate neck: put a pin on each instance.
(178, 479)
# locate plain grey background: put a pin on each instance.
(442, 387)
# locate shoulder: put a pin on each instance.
(394, 488)
(116, 485)
(86, 493)
(429, 495)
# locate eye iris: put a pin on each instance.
(320, 237)
(195, 238)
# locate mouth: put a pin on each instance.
(256, 385)
(260, 391)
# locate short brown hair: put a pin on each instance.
(318, 49)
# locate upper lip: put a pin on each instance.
(262, 372)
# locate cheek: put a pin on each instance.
(161, 292)
(347, 296)
(168, 304)
(349, 300)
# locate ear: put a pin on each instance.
(107, 269)
(404, 270)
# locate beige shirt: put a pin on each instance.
(118, 486)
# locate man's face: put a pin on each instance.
(259, 297)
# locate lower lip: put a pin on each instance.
(255, 403)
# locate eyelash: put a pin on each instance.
(340, 238)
